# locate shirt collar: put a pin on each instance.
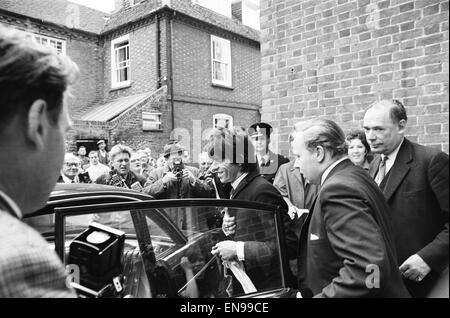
(236, 182)
(297, 163)
(68, 180)
(394, 153)
(266, 157)
(328, 170)
(11, 204)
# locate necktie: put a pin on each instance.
(381, 170)
(232, 192)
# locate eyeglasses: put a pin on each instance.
(72, 164)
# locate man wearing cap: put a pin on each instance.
(268, 161)
(175, 180)
(102, 153)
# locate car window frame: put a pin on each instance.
(62, 212)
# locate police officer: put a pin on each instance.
(268, 161)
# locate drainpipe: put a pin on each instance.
(158, 52)
(169, 64)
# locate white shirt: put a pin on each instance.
(12, 205)
(266, 158)
(97, 171)
(239, 245)
(328, 170)
(391, 157)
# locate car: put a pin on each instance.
(118, 242)
(167, 245)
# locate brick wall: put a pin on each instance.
(192, 66)
(334, 58)
(142, 61)
(126, 129)
(186, 113)
(84, 50)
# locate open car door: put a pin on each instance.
(164, 249)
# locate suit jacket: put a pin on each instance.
(103, 159)
(28, 267)
(270, 168)
(346, 244)
(416, 190)
(260, 247)
(156, 188)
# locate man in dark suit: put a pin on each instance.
(345, 248)
(250, 237)
(414, 180)
(33, 120)
(268, 161)
(102, 153)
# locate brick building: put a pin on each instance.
(334, 58)
(177, 68)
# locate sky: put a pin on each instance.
(102, 5)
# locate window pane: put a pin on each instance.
(202, 227)
(219, 71)
(218, 54)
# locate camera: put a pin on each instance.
(178, 167)
(97, 252)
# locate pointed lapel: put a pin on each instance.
(301, 182)
(296, 172)
(374, 166)
(399, 170)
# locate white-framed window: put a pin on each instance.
(57, 44)
(120, 62)
(221, 61)
(222, 120)
(151, 121)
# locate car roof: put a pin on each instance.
(74, 194)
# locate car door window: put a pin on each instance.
(174, 247)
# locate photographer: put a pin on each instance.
(120, 174)
(175, 180)
(71, 171)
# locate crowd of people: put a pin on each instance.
(370, 199)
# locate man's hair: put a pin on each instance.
(28, 72)
(358, 134)
(397, 111)
(117, 149)
(236, 147)
(325, 133)
(70, 156)
(93, 152)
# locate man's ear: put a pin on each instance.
(37, 124)
(320, 154)
(402, 126)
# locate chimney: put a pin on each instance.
(236, 10)
(122, 4)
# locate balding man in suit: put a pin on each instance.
(414, 180)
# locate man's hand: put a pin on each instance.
(228, 224)
(169, 177)
(226, 250)
(185, 264)
(415, 268)
(188, 175)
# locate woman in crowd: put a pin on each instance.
(358, 148)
